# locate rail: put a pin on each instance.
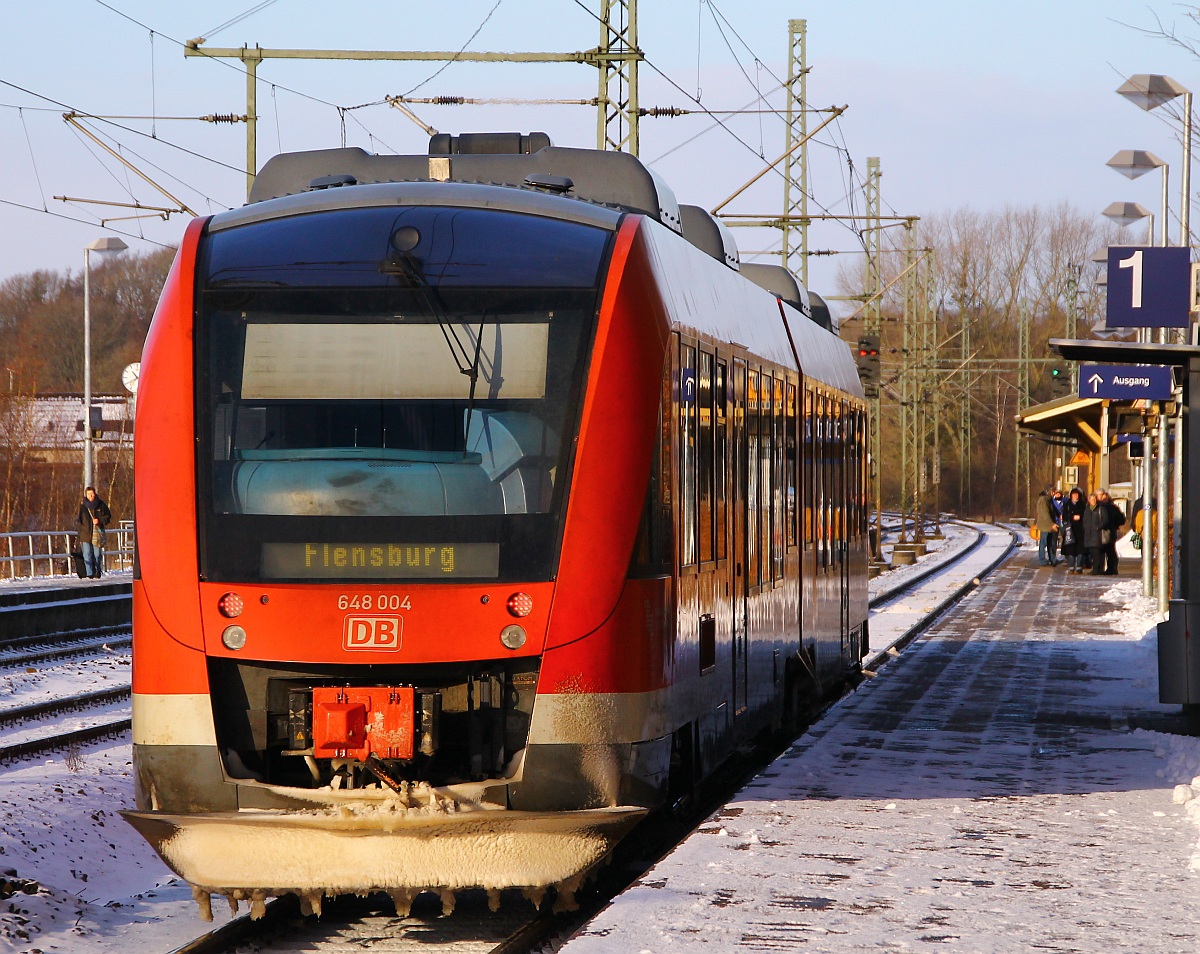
(30, 553)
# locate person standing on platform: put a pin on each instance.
(1047, 530)
(1074, 507)
(94, 517)
(1056, 511)
(1116, 520)
(1095, 523)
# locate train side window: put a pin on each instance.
(720, 481)
(840, 457)
(766, 489)
(809, 470)
(851, 490)
(752, 494)
(824, 443)
(790, 462)
(864, 477)
(652, 553)
(687, 454)
(705, 458)
(778, 486)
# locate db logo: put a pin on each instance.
(372, 632)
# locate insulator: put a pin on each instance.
(449, 100)
(667, 111)
(223, 118)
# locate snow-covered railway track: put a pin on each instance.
(85, 700)
(41, 744)
(62, 690)
(27, 650)
(472, 928)
(900, 612)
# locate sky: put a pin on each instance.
(964, 103)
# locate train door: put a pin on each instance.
(741, 516)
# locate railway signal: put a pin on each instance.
(1060, 383)
(866, 357)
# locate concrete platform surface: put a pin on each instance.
(1009, 784)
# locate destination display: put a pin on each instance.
(392, 561)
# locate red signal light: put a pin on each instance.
(520, 604)
(230, 605)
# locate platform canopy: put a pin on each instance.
(1069, 421)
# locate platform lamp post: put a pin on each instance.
(109, 243)
(1126, 213)
(1149, 91)
(1133, 163)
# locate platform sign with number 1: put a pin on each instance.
(1148, 287)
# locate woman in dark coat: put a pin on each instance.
(1095, 519)
(1074, 508)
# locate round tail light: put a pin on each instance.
(520, 605)
(230, 605)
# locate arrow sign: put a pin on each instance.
(1126, 382)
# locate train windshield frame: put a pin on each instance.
(390, 394)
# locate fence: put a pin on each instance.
(48, 552)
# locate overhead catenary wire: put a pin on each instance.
(232, 21)
(33, 160)
(137, 132)
(461, 50)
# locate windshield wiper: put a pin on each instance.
(407, 266)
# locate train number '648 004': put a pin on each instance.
(375, 601)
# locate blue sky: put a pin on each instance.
(966, 103)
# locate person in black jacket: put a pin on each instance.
(1073, 549)
(1116, 520)
(1095, 522)
(94, 517)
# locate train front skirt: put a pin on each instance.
(253, 855)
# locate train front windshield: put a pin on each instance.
(391, 393)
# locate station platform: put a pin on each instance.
(1007, 784)
(47, 589)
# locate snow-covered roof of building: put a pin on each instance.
(55, 421)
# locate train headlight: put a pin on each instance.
(230, 605)
(513, 636)
(520, 605)
(234, 637)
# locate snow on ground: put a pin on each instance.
(957, 821)
(62, 582)
(103, 890)
(100, 888)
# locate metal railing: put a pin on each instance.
(48, 552)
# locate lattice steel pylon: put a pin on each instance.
(795, 174)
(1021, 455)
(933, 366)
(872, 324)
(910, 398)
(618, 55)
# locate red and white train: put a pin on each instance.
(485, 503)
